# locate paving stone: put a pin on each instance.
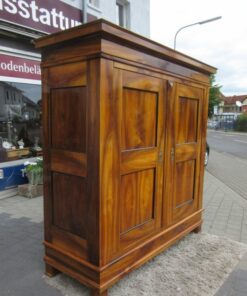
(21, 258)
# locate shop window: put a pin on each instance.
(20, 121)
(122, 13)
(6, 96)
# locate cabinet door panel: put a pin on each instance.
(139, 119)
(136, 203)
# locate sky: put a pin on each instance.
(32, 91)
(222, 44)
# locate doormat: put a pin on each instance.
(196, 265)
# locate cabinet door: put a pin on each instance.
(184, 157)
(141, 137)
(141, 148)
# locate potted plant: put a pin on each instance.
(34, 171)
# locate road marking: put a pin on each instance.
(240, 141)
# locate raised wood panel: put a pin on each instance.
(69, 242)
(72, 163)
(68, 75)
(186, 152)
(184, 182)
(139, 119)
(70, 203)
(136, 160)
(68, 119)
(137, 199)
(188, 118)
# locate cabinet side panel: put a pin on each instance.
(68, 118)
(69, 145)
(46, 155)
(70, 204)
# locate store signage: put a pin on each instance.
(41, 15)
(11, 66)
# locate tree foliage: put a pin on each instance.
(214, 96)
(241, 123)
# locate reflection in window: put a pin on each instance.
(20, 121)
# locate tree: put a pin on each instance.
(214, 96)
(241, 123)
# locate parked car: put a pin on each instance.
(214, 124)
(206, 154)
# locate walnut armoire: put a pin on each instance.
(124, 125)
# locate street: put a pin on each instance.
(228, 159)
(235, 144)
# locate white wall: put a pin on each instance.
(139, 13)
(108, 8)
(140, 17)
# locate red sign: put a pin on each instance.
(11, 66)
(41, 15)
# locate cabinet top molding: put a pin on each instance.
(103, 29)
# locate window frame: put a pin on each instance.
(125, 7)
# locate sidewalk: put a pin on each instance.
(226, 215)
(21, 250)
(229, 169)
(225, 210)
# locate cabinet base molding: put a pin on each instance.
(99, 279)
(198, 229)
(50, 271)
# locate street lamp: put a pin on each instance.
(198, 23)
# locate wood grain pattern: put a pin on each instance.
(70, 203)
(68, 162)
(142, 144)
(187, 129)
(93, 157)
(68, 119)
(137, 199)
(188, 117)
(110, 125)
(68, 75)
(139, 119)
(138, 159)
(184, 183)
(124, 123)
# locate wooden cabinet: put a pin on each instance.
(124, 142)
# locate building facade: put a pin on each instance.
(235, 104)
(22, 21)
